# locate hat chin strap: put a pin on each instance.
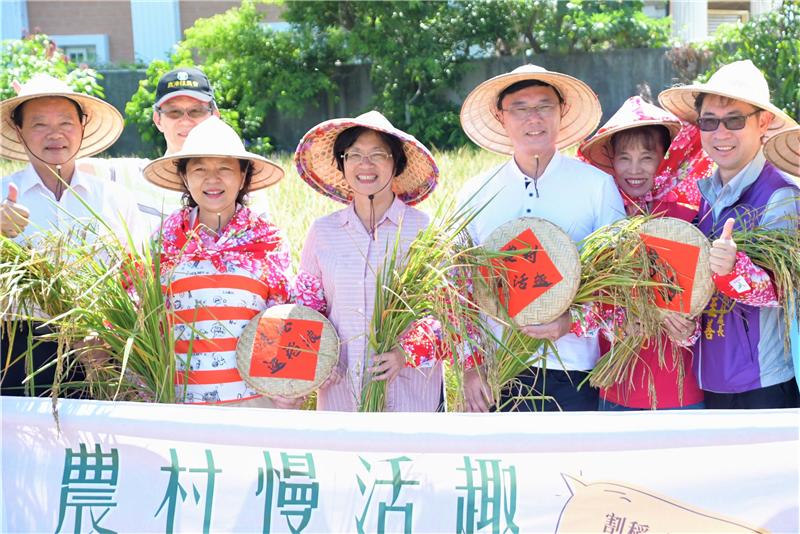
(373, 231)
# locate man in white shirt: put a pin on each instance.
(50, 126)
(530, 114)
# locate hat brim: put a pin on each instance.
(581, 111)
(316, 163)
(104, 125)
(598, 152)
(191, 94)
(783, 151)
(680, 101)
(163, 172)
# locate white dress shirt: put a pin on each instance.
(109, 200)
(575, 196)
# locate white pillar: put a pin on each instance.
(760, 7)
(13, 18)
(156, 28)
(689, 19)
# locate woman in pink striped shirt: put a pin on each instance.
(379, 172)
(221, 264)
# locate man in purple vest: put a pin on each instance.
(740, 359)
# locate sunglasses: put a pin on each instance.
(737, 122)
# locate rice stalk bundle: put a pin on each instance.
(777, 251)
(423, 282)
(617, 273)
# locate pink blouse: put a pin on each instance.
(337, 276)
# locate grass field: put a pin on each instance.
(293, 205)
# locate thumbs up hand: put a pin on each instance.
(723, 251)
(13, 216)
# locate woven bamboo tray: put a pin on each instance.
(287, 350)
(684, 247)
(556, 262)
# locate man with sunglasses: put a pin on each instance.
(184, 98)
(740, 359)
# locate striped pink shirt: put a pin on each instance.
(340, 253)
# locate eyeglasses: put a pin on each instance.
(523, 112)
(193, 113)
(737, 122)
(358, 158)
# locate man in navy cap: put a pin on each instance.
(184, 99)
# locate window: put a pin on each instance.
(81, 54)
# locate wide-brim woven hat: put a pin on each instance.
(535, 287)
(581, 111)
(212, 138)
(102, 128)
(633, 113)
(677, 238)
(316, 163)
(287, 350)
(783, 150)
(740, 80)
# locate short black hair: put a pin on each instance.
(648, 136)
(701, 97)
(349, 136)
(245, 166)
(524, 84)
(16, 113)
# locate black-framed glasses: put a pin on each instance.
(523, 112)
(736, 122)
(374, 157)
(193, 113)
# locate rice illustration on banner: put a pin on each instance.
(680, 252)
(287, 350)
(536, 274)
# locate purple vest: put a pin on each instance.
(740, 346)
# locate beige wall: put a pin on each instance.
(191, 10)
(86, 17)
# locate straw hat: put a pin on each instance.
(287, 350)
(740, 80)
(682, 242)
(103, 126)
(316, 163)
(556, 261)
(581, 109)
(634, 113)
(783, 150)
(212, 138)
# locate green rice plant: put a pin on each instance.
(777, 251)
(617, 273)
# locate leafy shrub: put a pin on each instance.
(22, 58)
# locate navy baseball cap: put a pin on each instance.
(184, 81)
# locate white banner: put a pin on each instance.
(127, 467)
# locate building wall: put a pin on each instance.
(86, 17)
(191, 10)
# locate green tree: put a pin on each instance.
(22, 58)
(252, 69)
(418, 50)
(772, 43)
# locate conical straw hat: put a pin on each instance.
(679, 240)
(633, 113)
(316, 163)
(555, 263)
(581, 111)
(212, 138)
(103, 125)
(740, 80)
(783, 150)
(287, 350)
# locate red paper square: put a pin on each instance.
(526, 276)
(681, 260)
(286, 348)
